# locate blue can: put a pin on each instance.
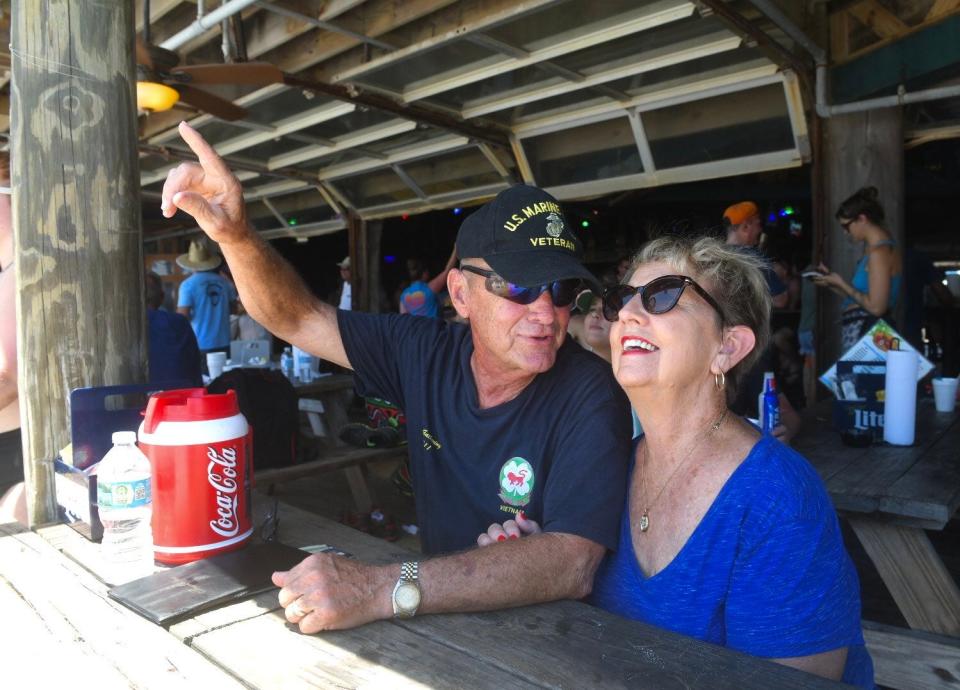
(771, 406)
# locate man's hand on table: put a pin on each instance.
(208, 191)
(327, 592)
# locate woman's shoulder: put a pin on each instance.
(783, 484)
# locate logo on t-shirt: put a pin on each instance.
(516, 481)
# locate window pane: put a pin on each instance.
(729, 126)
(582, 154)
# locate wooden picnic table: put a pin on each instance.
(55, 605)
(890, 495)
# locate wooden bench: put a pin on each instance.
(350, 460)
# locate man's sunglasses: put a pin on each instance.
(658, 296)
(562, 292)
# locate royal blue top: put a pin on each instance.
(861, 279)
(765, 572)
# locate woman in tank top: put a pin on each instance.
(875, 287)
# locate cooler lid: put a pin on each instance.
(188, 405)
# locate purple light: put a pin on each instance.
(389, 259)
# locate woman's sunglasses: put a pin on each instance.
(658, 296)
(845, 224)
(562, 292)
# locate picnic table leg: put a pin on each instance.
(335, 405)
(335, 413)
(923, 589)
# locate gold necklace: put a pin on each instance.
(645, 518)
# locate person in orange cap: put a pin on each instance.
(744, 229)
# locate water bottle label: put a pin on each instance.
(133, 494)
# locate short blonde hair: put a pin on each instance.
(732, 276)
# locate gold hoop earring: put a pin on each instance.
(720, 381)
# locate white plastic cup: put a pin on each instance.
(945, 394)
(215, 363)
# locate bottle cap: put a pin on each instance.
(124, 437)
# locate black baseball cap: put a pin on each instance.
(525, 238)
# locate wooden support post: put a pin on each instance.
(860, 149)
(374, 233)
(76, 214)
(924, 590)
(355, 240)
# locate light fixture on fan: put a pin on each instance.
(154, 97)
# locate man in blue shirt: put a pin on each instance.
(206, 298)
(503, 416)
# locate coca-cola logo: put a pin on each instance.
(222, 475)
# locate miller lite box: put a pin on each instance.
(862, 393)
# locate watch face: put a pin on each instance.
(407, 597)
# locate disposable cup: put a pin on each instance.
(215, 363)
(945, 394)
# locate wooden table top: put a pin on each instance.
(325, 384)
(916, 486)
(562, 644)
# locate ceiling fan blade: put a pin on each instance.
(249, 73)
(206, 101)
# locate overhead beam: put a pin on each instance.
(736, 21)
(941, 8)
(357, 138)
(322, 24)
(403, 154)
(294, 123)
(681, 90)
(878, 19)
(373, 19)
(461, 22)
(611, 28)
(658, 58)
(488, 132)
(174, 153)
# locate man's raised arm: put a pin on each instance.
(270, 289)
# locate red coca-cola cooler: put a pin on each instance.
(201, 455)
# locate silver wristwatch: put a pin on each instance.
(406, 593)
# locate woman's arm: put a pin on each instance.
(826, 664)
(8, 338)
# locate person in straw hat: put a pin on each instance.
(206, 298)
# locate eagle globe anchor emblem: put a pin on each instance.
(516, 482)
(554, 225)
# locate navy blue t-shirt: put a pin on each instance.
(173, 351)
(765, 572)
(559, 451)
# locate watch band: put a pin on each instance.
(410, 571)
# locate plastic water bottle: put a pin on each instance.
(770, 417)
(123, 499)
(286, 363)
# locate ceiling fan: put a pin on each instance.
(162, 81)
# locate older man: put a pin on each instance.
(502, 417)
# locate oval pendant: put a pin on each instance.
(644, 522)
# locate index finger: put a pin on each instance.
(210, 160)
